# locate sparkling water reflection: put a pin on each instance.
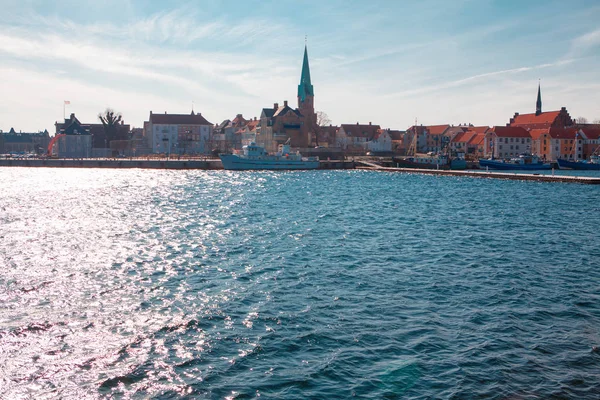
(134, 283)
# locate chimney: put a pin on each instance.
(356, 123)
(276, 106)
(285, 103)
(165, 112)
(369, 122)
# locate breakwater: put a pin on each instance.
(486, 174)
(144, 163)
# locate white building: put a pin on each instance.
(178, 133)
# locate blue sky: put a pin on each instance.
(386, 62)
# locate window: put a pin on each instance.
(528, 140)
(511, 147)
(500, 147)
(505, 140)
(511, 140)
(522, 140)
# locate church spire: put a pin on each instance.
(305, 88)
(538, 104)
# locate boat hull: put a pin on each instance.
(493, 164)
(565, 164)
(234, 162)
(455, 164)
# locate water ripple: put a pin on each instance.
(212, 284)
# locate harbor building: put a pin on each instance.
(72, 139)
(178, 133)
(24, 142)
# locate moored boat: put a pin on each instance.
(432, 161)
(523, 162)
(254, 157)
(592, 164)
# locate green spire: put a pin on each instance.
(538, 104)
(305, 88)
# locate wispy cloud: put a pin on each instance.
(471, 79)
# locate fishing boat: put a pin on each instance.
(254, 157)
(522, 162)
(592, 164)
(431, 161)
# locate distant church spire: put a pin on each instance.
(538, 104)
(305, 88)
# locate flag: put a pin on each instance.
(67, 102)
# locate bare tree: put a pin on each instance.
(316, 125)
(111, 121)
(597, 121)
(581, 120)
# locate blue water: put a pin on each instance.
(213, 284)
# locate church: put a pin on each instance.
(282, 122)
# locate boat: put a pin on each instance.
(522, 162)
(431, 161)
(254, 157)
(592, 164)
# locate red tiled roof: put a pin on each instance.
(357, 130)
(591, 133)
(541, 121)
(178, 119)
(537, 133)
(479, 129)
(459, 138)
(477, 139)
(510, 131)
(563, 133)
(437, 129)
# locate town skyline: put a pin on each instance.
(469, 62)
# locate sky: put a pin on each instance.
(389, 62)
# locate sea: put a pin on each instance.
(157, 284)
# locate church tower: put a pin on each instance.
(306, 93)
(538, 104)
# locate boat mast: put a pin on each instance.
(412, 150)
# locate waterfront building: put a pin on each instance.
(77, 139)
(354, 137)
(397, 138)
(326, 136)
(421, 132)
(472, 143)
(282, 123)
(435, 137)
(509, 141)
(178, 133)
(101, 144)
(24, 142)
(542, 119)
(227, 135)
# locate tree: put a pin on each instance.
(316, 125)
(597, 121)
(581, 120)
(111, 122)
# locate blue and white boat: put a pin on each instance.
(523, 162)
(255, 157)
(592, 165)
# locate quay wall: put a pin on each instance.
(208, 164)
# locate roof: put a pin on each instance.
(479, 129)
(591, 133)
(542, 120)
(282, 110)
(510, 131)
(178, 119)
(477, 139)
(358, 130)
(268, 112)
(437, 129)
(396, 134)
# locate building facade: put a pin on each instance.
(178, 133)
